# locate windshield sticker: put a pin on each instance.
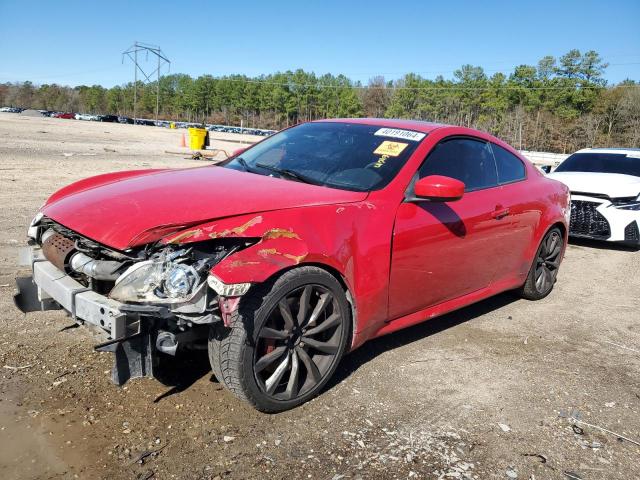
(391, 149)
(381, 161)
(397, 133)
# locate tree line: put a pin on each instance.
(559, 105)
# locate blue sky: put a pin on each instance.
(80, 42)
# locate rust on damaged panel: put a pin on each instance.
(185, 235)
(279, 233)
(237, 230)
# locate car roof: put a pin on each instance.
(417, 125)
(620, 150)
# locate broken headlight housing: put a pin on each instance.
(164, 278)
(174, 276)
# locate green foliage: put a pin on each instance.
(559, 104)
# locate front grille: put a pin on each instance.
(586, 221)
(631, 233)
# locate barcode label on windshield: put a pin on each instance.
(397, 133)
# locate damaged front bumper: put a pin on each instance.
(130, 329)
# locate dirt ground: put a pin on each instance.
(485, 392)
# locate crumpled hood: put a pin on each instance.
(611, 184)
(127, 209)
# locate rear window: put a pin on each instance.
(510, 168)
(347, 156)
(602, 163)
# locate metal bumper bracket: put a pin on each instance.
(134, 356)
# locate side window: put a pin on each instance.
(464, 159)
(510, 168)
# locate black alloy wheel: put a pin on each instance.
(285, 341)
(544, 271)
(294, 352)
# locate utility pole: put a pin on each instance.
(132, 54)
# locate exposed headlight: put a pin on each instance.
(138, 283)
(227, 289)
(179, 280)
(156, 281)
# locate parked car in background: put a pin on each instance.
(143, 121)
(65, 115)
(11, 109)
(107, 118)
(605, 193)
(87, 116)
(297, 249)
(123, 119)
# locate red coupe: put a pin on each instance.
(297, 249)
(65, 115)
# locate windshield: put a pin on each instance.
(627, 164)
(333, 154)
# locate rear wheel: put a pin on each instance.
(285, 342)
(544, 270)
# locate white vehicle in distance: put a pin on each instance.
(86, 116)
(605, 193)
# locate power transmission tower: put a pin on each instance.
(132, 53)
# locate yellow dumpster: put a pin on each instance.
(197, 138)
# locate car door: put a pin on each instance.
(444, 250)
(519, 199)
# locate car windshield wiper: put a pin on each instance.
(243, 163)
(285, 172)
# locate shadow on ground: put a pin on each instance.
(180, 373)
(373, 348)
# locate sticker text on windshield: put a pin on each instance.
(397, 133)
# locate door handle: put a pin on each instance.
(500, 213)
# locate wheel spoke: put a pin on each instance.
(309, 364)
(320, 346)
(540, 278)
(272, 333)
(545, 279)
(273, 381)
(303, 309)
(321, 306)
(332, 321)
(269, 358)
(292, 384)
(285, 311)
(554, 253)
(555, 264)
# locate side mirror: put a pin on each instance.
(546, 168)
(438, 188)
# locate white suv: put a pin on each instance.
(605, 193)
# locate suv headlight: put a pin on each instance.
(632, 205)
(156, 281)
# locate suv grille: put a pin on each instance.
(586, 221)
(631, 233)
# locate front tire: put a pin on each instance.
(285, 341)
(544, 271)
